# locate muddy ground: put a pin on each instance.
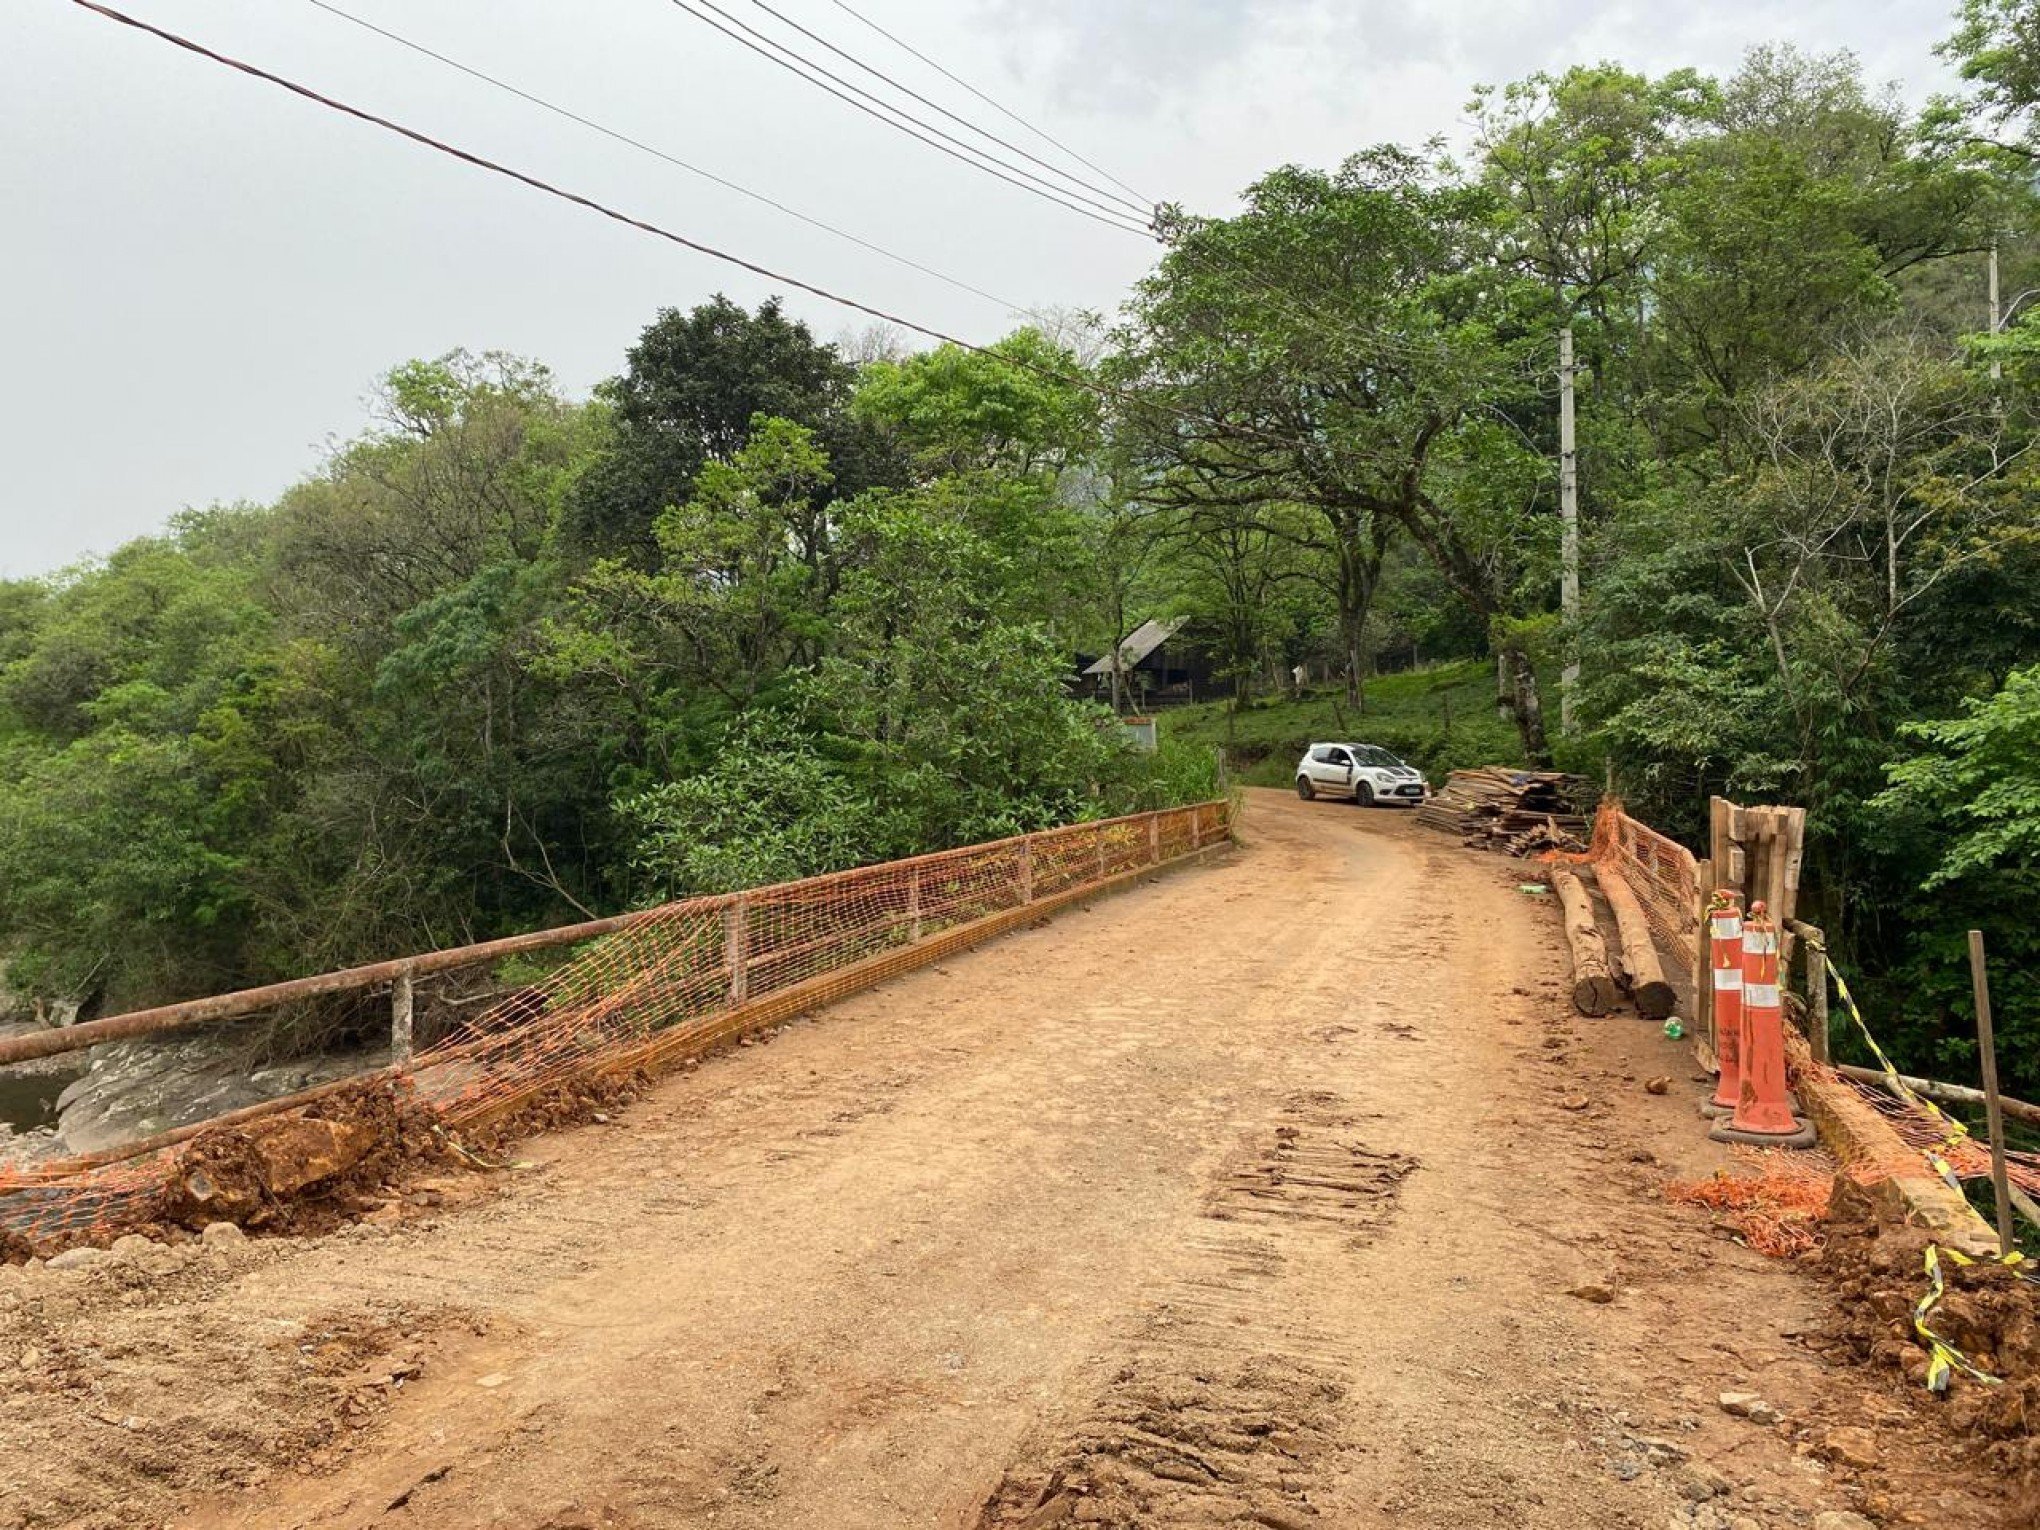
(1283, 1191)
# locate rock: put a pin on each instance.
(491, 1381)
(78, 1259)
(1659, 1085)
(1600, 1295)
(134, 1088)
(217, 1234)
(132, 1246)
(235, 1175)
(1750, 1406)
(295, 1151)
(1833, 1520)
(1852, 1447)
(1697, 1484)
(1574, 1102)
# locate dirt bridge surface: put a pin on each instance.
(1257, 1196)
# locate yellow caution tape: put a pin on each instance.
(1943, 1358)
(1955, 1131)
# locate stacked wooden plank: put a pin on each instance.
(1520, 811)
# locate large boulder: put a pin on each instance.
(236, 1174)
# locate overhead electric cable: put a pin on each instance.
(1142, 209)
(901, 121)
(1045, 137)
(671, 159)
(479, 162)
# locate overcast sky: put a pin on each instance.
(201, 274)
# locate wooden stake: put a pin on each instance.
(1702, 968)
(1993, 1108)
(1816, 990)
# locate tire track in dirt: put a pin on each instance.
(1225, 1404)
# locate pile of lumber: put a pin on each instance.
(1520, 811)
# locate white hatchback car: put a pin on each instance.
(1364, 772)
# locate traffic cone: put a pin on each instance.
(1724, 919)
(1763, 1107)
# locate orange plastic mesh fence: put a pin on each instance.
(1661, 872)
(1922, 1133)
(692, 973)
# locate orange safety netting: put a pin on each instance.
(1776, 1209)
(1923, 1132)
(1661, 872)
(686, 976)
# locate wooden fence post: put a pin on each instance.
(1155, 839)
(1993, 1108)
(400, 1017)
(1816, 992)
(737, 944)
(1027, 870)
(1703, 966)
(914, 905)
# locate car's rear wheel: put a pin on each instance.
(1304, 789)
(1363, 794)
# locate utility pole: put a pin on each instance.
(1996, 367)
(1569, 515)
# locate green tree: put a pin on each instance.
(692, 385)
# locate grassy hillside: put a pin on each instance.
(1439, 719)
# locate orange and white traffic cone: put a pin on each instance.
(1724, 920)
(1763, 1107)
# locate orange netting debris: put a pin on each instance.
(685, 977)
(1777, 1209)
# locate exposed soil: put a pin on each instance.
(1284, 1191)
(1987, 1313)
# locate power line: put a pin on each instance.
(994, 105)
(1243, 269)
(1069, 201)
(479, 162)
(1142, 209)
(658, 153)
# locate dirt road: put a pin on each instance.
(1250, 1197)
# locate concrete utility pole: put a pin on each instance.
(1569, 514)
(1996, 323)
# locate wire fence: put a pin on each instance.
(682, 979)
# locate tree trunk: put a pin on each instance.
(1525, 702)
(1655, 998)
(1594, 990)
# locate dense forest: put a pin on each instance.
(766, 605)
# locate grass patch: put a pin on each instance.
(1440, 718)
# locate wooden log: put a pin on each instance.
(1594, 991)
(1654, 997)
(1947, 1094)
